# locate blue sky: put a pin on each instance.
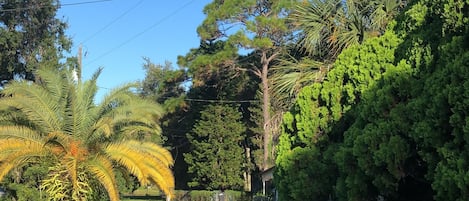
(117, 34)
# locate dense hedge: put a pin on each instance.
(390, 121)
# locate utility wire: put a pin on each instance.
(44, 6)
(208, 100)
(142, 32)
(112, 22)
(86, 2)
(222, 101)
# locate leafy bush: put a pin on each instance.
(390, 120)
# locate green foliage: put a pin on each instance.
(207, 61)
(389, 121)
(25, 193)
(314, 120)
(164, 85)
(30, 38)
(217, 159)
(298, 168)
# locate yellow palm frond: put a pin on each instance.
(147, 159)
(102, 168)
(5, 168)
(19, 132)
(128, 158)
(14, 152)
(154, 150)
(163, 178)
(71, 166)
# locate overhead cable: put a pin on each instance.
(142, 32)
(44, 6)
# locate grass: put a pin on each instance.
(143, 194)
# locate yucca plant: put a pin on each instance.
(56, 119)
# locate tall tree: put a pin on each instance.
(212, 83)
(56, 120)
(30, 37)
(258, 26)
(217, 159)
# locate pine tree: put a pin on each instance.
(217, 158)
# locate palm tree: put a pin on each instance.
(327, 27)
(55, 119)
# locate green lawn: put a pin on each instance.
(143, 194)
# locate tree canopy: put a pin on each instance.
(30, 37)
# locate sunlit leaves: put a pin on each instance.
(56, 120)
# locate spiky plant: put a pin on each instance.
(329, 26)
(56, 118)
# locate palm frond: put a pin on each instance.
(15, 148)
(158, 160)
(102, 168)
(153, 150)
(128, 158)
(317, 21)
(54, 82)
(129, 117)
(162, 177)
(35, 103)
(103, 127)
(290, 75)
(117, 95)
(21, 133)
(82, 108)
(145, 161)
(135, 131)
(72, 169)
(14, 152)
(5, 168)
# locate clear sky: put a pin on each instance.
(117, 34)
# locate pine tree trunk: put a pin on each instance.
(247, 173)
(265, 110)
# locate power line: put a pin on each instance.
(222, 101)
(142, 32)
(81, 3)
(112, 22)
(44, 6)
(207, 100)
